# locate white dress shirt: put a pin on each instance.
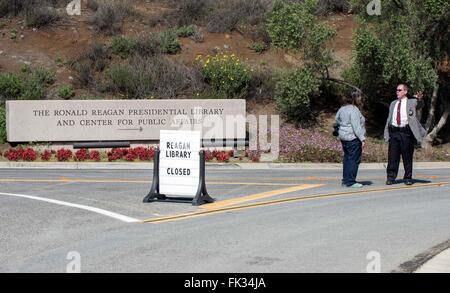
(403, 114)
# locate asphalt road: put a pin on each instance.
(263, 221)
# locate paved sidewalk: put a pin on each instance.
(438, 264)
(236, 166)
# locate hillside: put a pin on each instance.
(58, 45)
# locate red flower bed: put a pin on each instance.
(46, 155)
(130, 156)
(116, 154)
(215, 153)
(64, 155)
(94, 155)
(145, 154)
(82, 155)
(14, 154)
(29, 155)
(255, 156)
(208, 156)
(223, 157)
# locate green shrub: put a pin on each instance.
(109, 15)
(89, 62)
(2, 124)
(122, 79)
(35, 82)
(66, 92)
(41, 15)
(258, 47)
(123, 46)
(13, 34)
(226, 74)
(294, 26)
(155, 76)
(293, 91)
(37, 13)
(165, 42)
(147, 45)
(97, 55)
(59, 60)
(231, 14)
(26, 85)
(169, 42)
(32, 90)
(217, 16)
(10, 86)
(189, 11)
(186, 31)
(43, 76)
(288, 23)
(144, 46)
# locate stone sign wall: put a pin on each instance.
(126, 120)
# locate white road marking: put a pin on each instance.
(78, 206)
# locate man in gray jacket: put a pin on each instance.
(402, 131)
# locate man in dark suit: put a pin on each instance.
(402, 131)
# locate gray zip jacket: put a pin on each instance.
(351, 123)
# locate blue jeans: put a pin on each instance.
(352, 158)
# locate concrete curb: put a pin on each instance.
(221, 166)
(438, 264)
(433, 260)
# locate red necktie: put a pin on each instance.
(398, 112)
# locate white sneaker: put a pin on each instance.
(356, 185)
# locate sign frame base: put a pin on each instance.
(201, 197)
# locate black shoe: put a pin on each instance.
(408, 182)
(390, 182)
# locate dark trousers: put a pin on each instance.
(352, 158)
(401, 143)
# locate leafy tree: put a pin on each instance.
(293, 91)
(408, 43)
(294, 26)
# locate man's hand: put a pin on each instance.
(418, 95)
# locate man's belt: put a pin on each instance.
(399, 129)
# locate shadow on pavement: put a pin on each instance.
(366, 183)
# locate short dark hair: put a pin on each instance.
(352, 97)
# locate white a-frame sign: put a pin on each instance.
(179, 169)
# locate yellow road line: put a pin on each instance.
(285, 200)
(250, 183)
(314, 178)
(68, 180)
(240, 200)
